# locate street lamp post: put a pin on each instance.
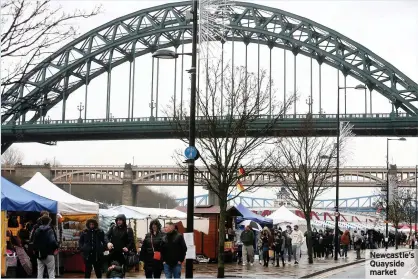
(387, 188)
(80, 108)
(337, 182)
(168, 54)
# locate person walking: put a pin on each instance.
(297, 241)
(173, 251)
(279, 245)
(150, 253)
(288, 243)
(266, 245)
(120, 241)
(345, 242)
(45, 244)
(92, 244)
(358, 240)
(247, 239)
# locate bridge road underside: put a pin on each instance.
(163, 129)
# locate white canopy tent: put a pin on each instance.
(67, 203)
(284, 215)
(162, 214)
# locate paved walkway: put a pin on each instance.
(257, 270)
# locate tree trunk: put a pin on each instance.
(396, 237)
(221, 246)
(309, 238)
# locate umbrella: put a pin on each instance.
(252, 224)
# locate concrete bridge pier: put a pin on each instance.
(213, 199)
(128, 190)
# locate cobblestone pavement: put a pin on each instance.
(234, 270)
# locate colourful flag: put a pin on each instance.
(241, 172)
(240, 187)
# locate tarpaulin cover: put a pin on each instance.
(249, 215)
(15, 198)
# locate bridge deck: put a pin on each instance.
(163, 127)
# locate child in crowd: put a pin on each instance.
(115, 270)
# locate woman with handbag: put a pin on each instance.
(151, 251)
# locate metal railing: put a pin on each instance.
(202, 118)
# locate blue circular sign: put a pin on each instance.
(190, 153)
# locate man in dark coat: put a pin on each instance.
(173, 251)
(121, 240)
(92, 244)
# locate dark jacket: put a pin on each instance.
(44, 241)
(279, 242)
(35, 227)
(247, 238)
(121, 236)
(173, 248)
(147, 252)
(92, 242)
(117, 272)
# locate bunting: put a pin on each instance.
(240, 187)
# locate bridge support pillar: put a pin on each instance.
(213, 199)
(128, 192)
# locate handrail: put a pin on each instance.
(203, 118)
(175, 167)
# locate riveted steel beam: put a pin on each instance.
(163, 26)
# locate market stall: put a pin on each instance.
(164, 215)
(283, 216)
(16, 199)
(207, 243)
(74, 211)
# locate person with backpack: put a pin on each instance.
(121, 241)
(92, 244)
(45, 244)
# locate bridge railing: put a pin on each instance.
(199, 118)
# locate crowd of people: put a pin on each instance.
(284, 246)
(112, 253)
(164, 249)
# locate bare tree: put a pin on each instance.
(31, 29)
(401, 208)
(409, 197)
(303, 165)
(48, 162)
(11, 157)
(231, 134)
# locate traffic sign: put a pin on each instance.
(191, 153)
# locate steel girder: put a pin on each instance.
(145, 31)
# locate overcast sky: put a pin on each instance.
(388, 28)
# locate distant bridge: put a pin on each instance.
(174, 176)
(356, 204)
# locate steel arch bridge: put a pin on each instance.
(356, 204)
(142, 32)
